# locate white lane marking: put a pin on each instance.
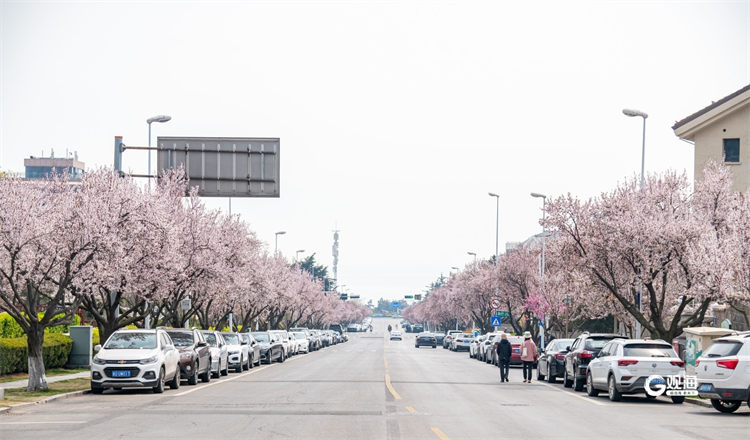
(254, 370)
(573, 394)
(66, 422)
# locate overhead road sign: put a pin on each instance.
(224, 166)
(395, 304)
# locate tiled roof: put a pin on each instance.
(713, 105)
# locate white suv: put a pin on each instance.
(136, 358)
(623, 366)
(724, 372)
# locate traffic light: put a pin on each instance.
(408, 296)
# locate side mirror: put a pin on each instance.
(97, 347)
(567, 348)
(202, 344)
(243, 342)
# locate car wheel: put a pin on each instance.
(551, 378)
(678, 399)
(159, 388)
(251, 362)
(435, 346)
(567, 383)
(577, 383)
(726, 406)
(282, 358)
(193, 379)
(614, 394)
(416, 346)
(175, 382)
(539, 375)
(206, 376)
(590, 390)
(96, 389)
(225, 371)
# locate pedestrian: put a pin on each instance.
(389, 328)
(503, 357)
(529, 354)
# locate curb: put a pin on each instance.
(46, 400)
(699, 402)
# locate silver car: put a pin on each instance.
(219, 353)
(253, 348)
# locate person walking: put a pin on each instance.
(503, 357)
(529, 354)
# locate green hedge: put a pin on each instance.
(14, 353)
(9, 328)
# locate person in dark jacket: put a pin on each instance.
(503, 357)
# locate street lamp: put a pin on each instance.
(636, 113)
(542, 268)
(296, 254)
(160, 119)
(497, 231)
(276, 245)
(473, 254)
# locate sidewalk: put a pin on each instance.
(23, 383)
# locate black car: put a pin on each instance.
(551, 362)
(427, 339)
(439, 336)
(195, 354)
(271, 347)
(584, 348)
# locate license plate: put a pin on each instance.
(516, 350)
(658, 381)
(119, 373)
(705, 387)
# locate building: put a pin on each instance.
(721, 132)
(42, 167)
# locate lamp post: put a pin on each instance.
(473, 254)
(160, 119)
(637, 113)
(276, 245)
(296, 254)
(497, 233)
(542, 267)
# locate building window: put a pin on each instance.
(732, 150)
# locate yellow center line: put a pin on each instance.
(440, 434)
(410, 409)
(385, 362)
(390, 387)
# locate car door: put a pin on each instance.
(204, 353)
(599, 366)
(569, 358)
(171, 358)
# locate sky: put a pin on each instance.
(396, 118)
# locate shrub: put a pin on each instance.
(9, 328)
(14, 353)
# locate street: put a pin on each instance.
(368, 388)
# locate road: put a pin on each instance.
(369, 388)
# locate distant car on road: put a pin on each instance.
(624, 365)
(552, 360)
(219, 353)
(723, 372)
(270, 347)
(238, 355)
(461, 341)
(427, 339)
(449, 337)
(395, 334)
(136, 358)
(253, 348)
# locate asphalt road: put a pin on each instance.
(369, 388)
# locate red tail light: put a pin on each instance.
(680, 363)
(560, 357)
(697, 362)
(728, 363)
(626, 362)
(585, 354)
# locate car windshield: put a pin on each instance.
(232, 339)
(723, 348)
(262, 337)
(181, 339)
(562, 344)
(299, 335)
(649, 350)
(129, 340)
(211, 339)
(595, 344)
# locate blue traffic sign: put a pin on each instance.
(495, 321)
(395, 304)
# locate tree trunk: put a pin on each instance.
(37, 378)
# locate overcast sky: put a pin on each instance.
(395, 117)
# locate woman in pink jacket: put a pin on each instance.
(529, 354)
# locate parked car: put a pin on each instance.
(515, 353)
(474, 346)
(283, 337)
(270, 347)
(303, 343)
(484, 353)
(395, 334)
(352, 328)
(723, 372)
(427, 339)
(461, 341)
(622, 366)
(439, 336)
(136, 358)
(336, 328)
(552, 360)
(238, 355)
(219, 353)
(253, 348)
(449, 337)
(195, 354)
(584, 348)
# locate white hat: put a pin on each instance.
(527, 334)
